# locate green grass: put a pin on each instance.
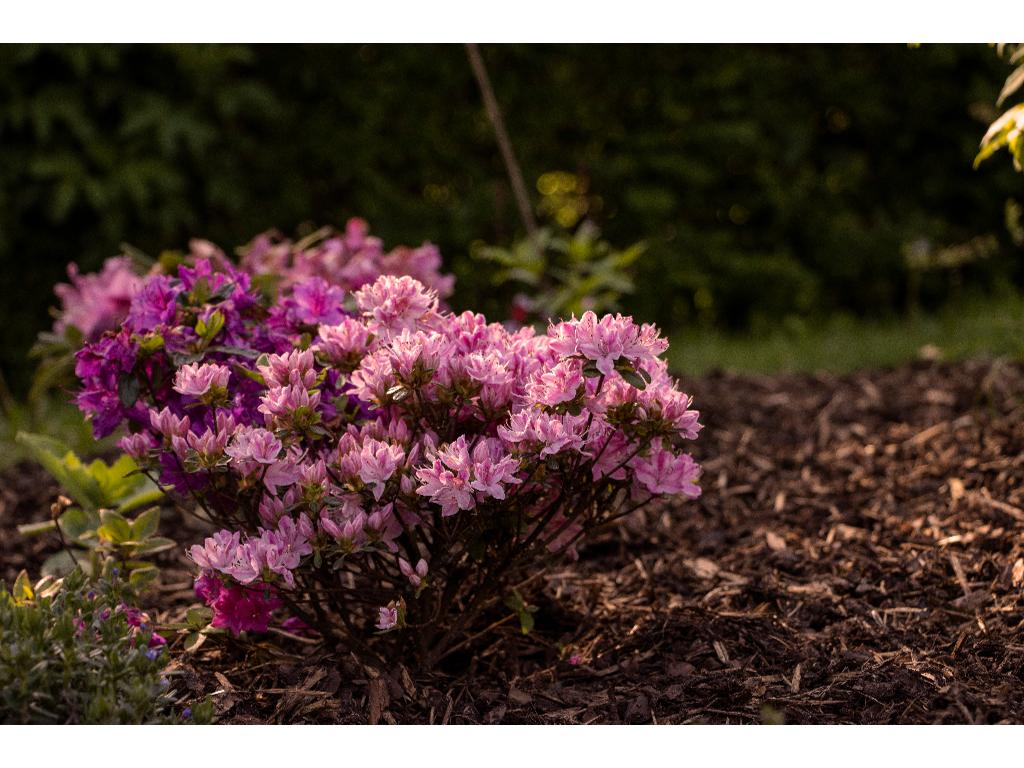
(971, 329)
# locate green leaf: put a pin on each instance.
(237, 351)
(59, 564)
(128, 389)
(630, 375)
(22, 589)
(1013, 83)
(37, 529)
(76, 522)
(154, 545)
(254, 375)
(151, 343)
(199, 617)
(193, 641)
(114, 527)
(523, 611)
(145, 524)
(141, 578)
(65, 467)
(149, 495)
(208, 329)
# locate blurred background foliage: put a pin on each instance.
(772, 187)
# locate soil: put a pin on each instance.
(857, 557)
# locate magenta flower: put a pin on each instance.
(241, 609)
(316, 301)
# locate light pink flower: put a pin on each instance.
(295, 367)
(387, 618)
(394, 304)
(378, 462)
(285, 401)
(196, 379)
(167, 424)
(556, 385)
(217, 552)
(137, 445)
(493, 468)
(414, 575)
(344, 342)
(452, 491)
(664, 472)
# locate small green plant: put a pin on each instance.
(1008, 130)
(564, 272)
(76, 652)
(93, 524)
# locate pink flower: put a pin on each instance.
(281, 474)
(283, 402)
(218, 552)
(387, 618)
(295, 367)
(167, 424)
(393, 304)
(137, 445)
(556, 385)
(493, 468)
(555, 432)
(197, 379)
(344, 342)
(451, 490)
(373, 378)
(255, 445)
(663, 472)
(414, 575)
(488, 368)
(607, 340)
(98, 302)
(378, 462)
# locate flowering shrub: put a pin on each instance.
(376, 463)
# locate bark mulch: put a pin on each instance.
(857, 557)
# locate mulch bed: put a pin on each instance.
(856, 558)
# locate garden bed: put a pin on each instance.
(856, 557)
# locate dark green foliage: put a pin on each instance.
(766, 181)
(69, 655)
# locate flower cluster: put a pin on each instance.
(343, 261)
(375, 461)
